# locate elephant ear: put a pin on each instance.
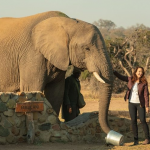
(50, 38)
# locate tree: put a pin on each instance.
(105, 24)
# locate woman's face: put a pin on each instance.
(139, 73)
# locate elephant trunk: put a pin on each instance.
(104, 101)
(105, 77)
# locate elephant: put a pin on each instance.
(37, 50)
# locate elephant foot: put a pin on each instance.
(114, 138)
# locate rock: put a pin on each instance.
(94, 123)
(44, 127)
(7, 124)
(2, 107)
(56, 127)
(70, 131)
(33, 99)
(15, 131)
(11, 103)
(2, 140)
(81, 132)
(42, 118)
(93, 131)
(63, 126)
(15, 120)
(29, 96)
(52, 119)
(73, 138)
(9, 112)
(37, 134)
(19, 114)
(98, 129)
(56, 134)
(88, 138)
(11, 139)
(49, 110)
(5, 97)
(23, 131)
(38, 97)
(90, 125)
(45, 136)
(4, 132)
(55, 139)
(22, 98)
(14, 96)
(22, 139)
(64, 138)
(120, 123)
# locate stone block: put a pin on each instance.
(6, 123)
(44, 127)
(52, 119)
(5, 97)
(3, 107)
(64, 138)
(9, 112)
(2, 140)
(4, 132)
(45, 136)
(49, 110)
(11, 139)
(56, 127)
(11, 103)
(29, 96)
(63, 126)
(15, 131)
(22, 99)
(38, 97)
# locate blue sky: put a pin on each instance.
(122, 12)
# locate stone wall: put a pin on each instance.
(48, 128)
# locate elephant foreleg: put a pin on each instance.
(54, 92)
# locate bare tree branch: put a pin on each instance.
(147, 64)
(125, 70)
(125, 57)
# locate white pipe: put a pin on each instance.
(98, 77)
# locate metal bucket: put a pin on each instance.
(114, 138)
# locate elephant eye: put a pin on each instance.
(87, 48)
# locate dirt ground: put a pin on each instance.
(117, 103)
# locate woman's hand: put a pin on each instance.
(147, 110)
(69, 109)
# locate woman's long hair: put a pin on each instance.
(142, 78)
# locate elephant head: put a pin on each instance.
(65, 41)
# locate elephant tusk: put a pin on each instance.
(98, 77)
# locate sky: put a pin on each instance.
(123, 13)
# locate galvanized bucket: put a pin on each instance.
(114, 138)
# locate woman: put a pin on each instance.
(138, 97)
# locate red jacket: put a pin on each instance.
(142, 89)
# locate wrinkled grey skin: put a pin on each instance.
(37, 50)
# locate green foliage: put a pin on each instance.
(85, 74)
